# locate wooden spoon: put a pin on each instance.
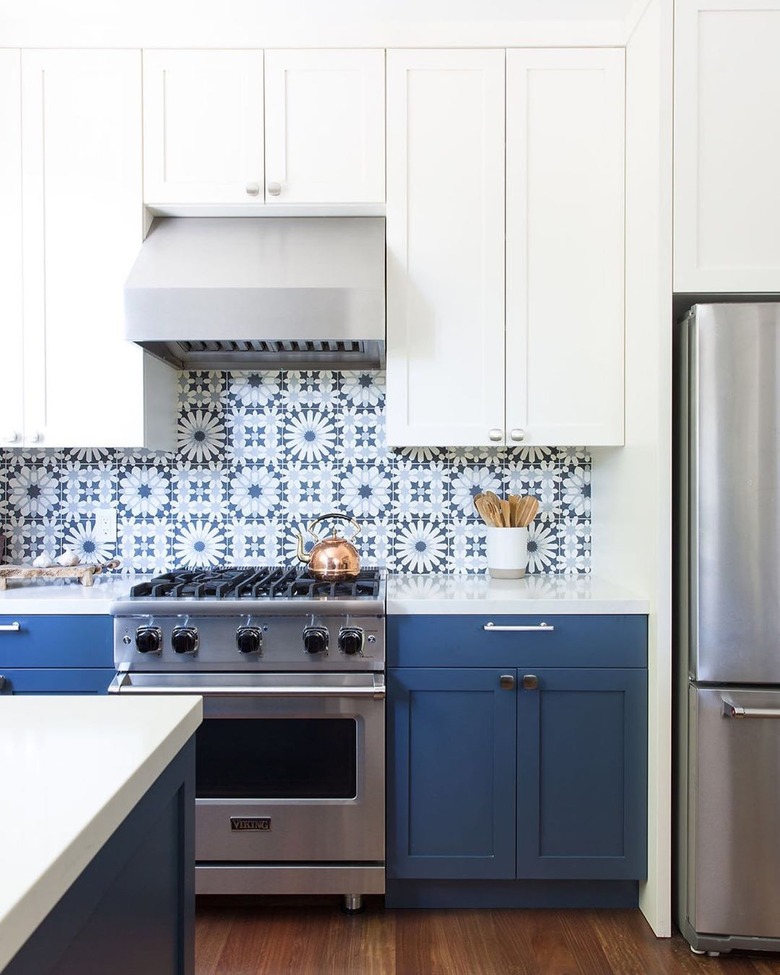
(527, 510)
(514, 507)
(487, 510)
(495, 504)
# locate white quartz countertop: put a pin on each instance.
(60, 598)
(72, 770)
(535, 594)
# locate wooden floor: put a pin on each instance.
(266, 937)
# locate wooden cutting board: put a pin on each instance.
(84, 573)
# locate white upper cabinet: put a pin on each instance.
(248, 127)
(325, 126)
(726, 146)
(11, 353)
(203, 126)
(445, 247)
(565, 247)
(470, 361)
(84, 385)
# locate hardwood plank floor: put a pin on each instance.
(311, 936)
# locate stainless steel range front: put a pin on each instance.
(290, 756)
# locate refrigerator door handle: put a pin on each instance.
(731, 710)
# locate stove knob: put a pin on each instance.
(148, 639)
(351, 640)
(249, 639)
(184, 639)
(315, 639)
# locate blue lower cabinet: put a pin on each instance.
(582, 774)
(517, 785)
(452, 769)
(50, 681)
(56, 654)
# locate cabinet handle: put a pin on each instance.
(530, 682)
(2, 683)
(36, 438)
(252, 189)
(731, 710)
(275, 189)
(516, 434)
(495, 434)
(12, 437)
(541, 628)
(506, 681)
(10, 628)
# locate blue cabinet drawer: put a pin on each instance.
(543, 641)
(93, 680)
(56, 641)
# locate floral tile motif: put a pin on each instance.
(421, 489)
(255, 436)
(261, 453)
(145, 544)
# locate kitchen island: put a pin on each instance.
(96, 813)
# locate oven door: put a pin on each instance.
(290, 767)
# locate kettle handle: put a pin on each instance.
(334, 514)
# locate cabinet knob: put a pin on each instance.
(530, 682)
(13, 437)
(516, 434)
(36, 438)
(275, 189)
(496, 435)
(252, 189)
(506, 682)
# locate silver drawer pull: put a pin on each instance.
(731, 710)
(10, 628)
(541, 628)
(122, 684)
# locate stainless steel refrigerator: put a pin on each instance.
(728, 627)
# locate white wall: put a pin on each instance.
(632, 485)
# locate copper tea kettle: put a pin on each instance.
(332, 559)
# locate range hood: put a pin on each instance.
(260, 292)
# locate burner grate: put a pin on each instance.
(255, 582)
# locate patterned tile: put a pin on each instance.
(261, 453)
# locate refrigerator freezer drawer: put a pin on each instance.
(733, 824)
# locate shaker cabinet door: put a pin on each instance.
(451, 810)
(564, 247)
(445, 247)
(726, 146)
(581, 774)
(325, 126)
(203, 127)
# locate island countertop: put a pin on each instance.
(73, 769)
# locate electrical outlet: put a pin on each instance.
(105, 524)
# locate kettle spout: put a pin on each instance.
(302, 554)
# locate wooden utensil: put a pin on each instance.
(527, 510)
(486, 509)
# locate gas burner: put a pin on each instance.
(255, 582)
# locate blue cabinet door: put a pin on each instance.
(74, 680)
(581, 774)
(451, 768)
(56, 641)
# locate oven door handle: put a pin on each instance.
(122, 684)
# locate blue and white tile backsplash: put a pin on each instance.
(261, 453)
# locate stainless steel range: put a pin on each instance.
(290, 756)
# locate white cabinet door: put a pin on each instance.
(11, 322)
(203, 127)
(81, 184)
(445, 247)
(325, 126)
(726, 146)
(564, 248)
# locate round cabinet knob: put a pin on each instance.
(36, 438)
(275, 189)
(496, 435)
(184, 639)
(12, 437)
(249, 639)
(315, 639)
(253, 189)
(516, 434)
(351, 640)
(148, 639)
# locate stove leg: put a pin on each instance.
(353, 904)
